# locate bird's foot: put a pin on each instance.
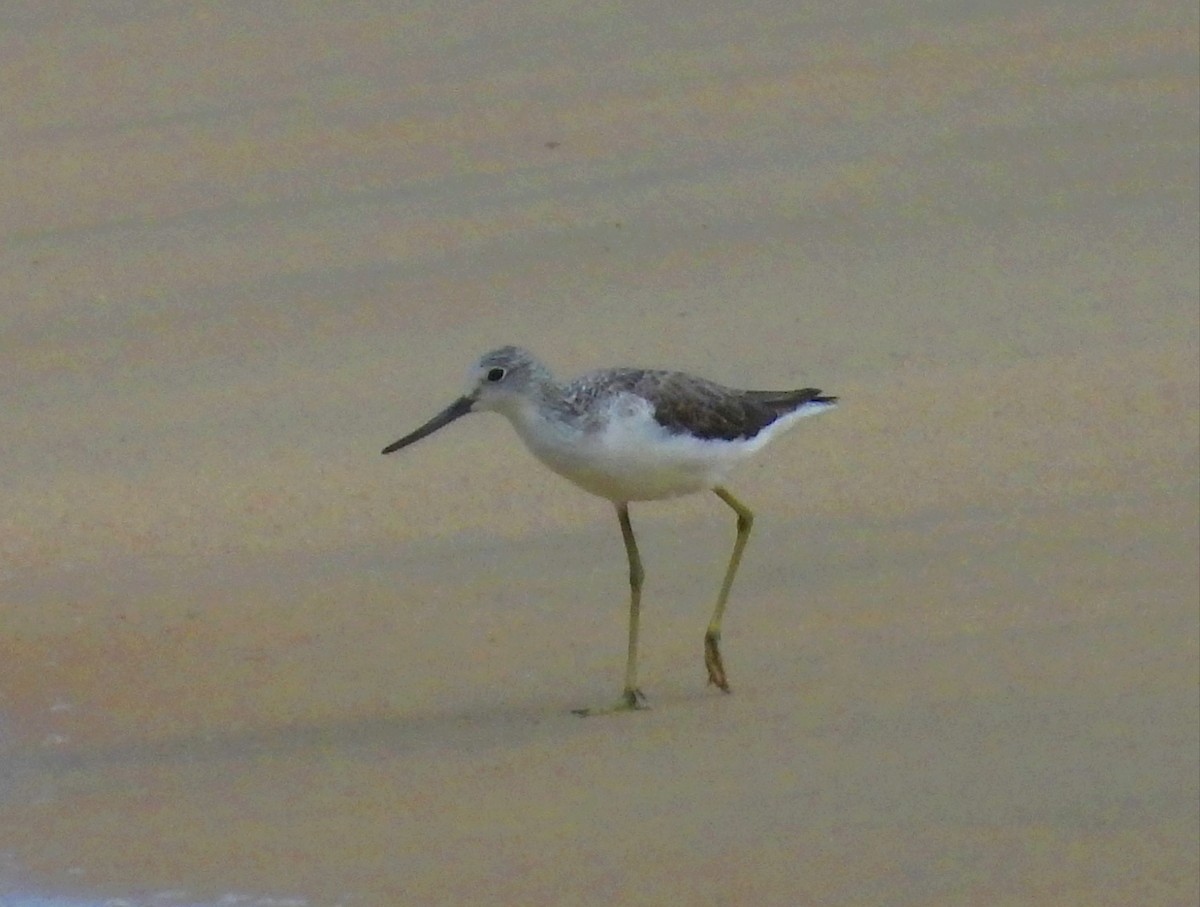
(630, 701)
(712, 660)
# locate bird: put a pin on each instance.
(633, 435)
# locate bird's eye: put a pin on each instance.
(495, 374)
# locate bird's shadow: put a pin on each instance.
(475, 728)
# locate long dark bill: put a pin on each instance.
(455, 410)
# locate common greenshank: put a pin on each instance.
(632, 434)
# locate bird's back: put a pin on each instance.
(685, 404)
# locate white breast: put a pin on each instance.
(624, 455)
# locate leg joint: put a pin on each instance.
(636, 575)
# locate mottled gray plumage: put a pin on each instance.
(684, 404)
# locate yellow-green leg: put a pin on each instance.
(712, 653)
(631, 697)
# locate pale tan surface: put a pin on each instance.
(242, 251)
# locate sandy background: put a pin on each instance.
(246, 245)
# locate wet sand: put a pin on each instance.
(240, 651)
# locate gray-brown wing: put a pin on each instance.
(684, 404)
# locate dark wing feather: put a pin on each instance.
(711, 411)
(684, 404)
